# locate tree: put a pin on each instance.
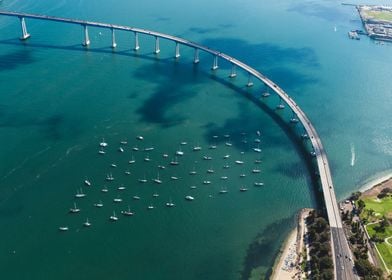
(361, 205)
(367, 270)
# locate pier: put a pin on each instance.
(340, 248)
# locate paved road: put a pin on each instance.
(341, 251)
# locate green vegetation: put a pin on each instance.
(379, 15)
(358, 240)
(320, 263)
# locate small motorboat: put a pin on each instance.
(243, 189)
(139, 137)
(197, 148)
(63, 228)
(87, 182)
(117, 200)
(228, 144)
(189, 198)
(206, 182)
(256, 170)
(80, 194)
(136, 197)
(149, 149)
(239, 162)
(258, 184)
(121, 149)
(104, 190)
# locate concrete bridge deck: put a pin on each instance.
(341, 250)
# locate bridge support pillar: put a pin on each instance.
(114, 44)
(266, 92)
(196, 58)
(281, 105)
(250, 83)
(25, 34)
(137, 47)
(86, 38)
(215, 63)
(233, 73)
(157, 50)
(177, 55)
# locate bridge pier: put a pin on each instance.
(233, 73)
(196, 58)
(281, 105)
(294, 118)
(215, 63)
(136, 41)
(250, 83)
(266, 92)
(25, 34)
(177, 54)
(157, 50)
(86, 38)
(114, 44)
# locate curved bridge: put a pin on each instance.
(341, 251)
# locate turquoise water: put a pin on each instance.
(57, 101)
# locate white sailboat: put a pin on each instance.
(157, 180)
(103, 143)
(87, 223)
(127, 212)
(99, 204)
(113, 217)
(75, 209)
(80, 194)
(170, 203)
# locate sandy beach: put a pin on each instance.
(287, 264)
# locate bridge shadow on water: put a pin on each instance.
(155, 109)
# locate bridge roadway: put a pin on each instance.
(342, 256)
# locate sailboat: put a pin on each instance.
(121, 188)
(113, 217)
(127, 212)
(144, 180)
(179, 152)
(193, 172)
(258, 184)
(103, 143)
(155, 194)
(223, 190)
(74, 209)
(121, 149)
(197, 148)
(170, 203)
(63, 228)
(157, 180)
(132, 160)
(174, 161)
(255, 170)
(99, 204)
(109, 177)
(80, 194)
(87, 182)
(101, 151)
(117, 199)
(139, 137)
(87, 223)
(150, 207)
(257, 150)
(104, 189)
(243, 189)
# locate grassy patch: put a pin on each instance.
(386, 253)
(382, 206)
(380, 15)
(387, 233)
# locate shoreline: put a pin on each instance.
(375, 180)
(287, 263)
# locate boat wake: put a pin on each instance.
(352, 163)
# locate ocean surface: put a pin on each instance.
(58, 101)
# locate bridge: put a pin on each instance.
(342, 257)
